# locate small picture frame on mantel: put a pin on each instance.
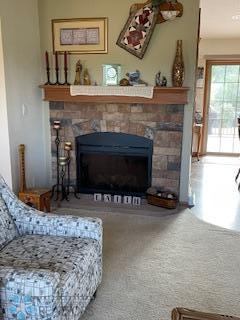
(111, 74)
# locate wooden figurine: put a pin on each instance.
(86, 78)
(164, 82)
(78, 73)
(37, 198)
(158, 79)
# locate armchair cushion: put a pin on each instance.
(66, 260)
(8, 230)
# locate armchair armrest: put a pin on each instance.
(31, 221)
(36, 222)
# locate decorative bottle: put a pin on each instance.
(178, 67)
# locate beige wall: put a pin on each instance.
(218, 47)
(215, 49)
(160, 53)
(21, 54)
(5, 158)
(159, 56)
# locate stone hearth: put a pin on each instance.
(161, 123)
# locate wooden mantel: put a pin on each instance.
(162, 95)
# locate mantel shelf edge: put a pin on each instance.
(162, 95)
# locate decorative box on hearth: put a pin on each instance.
(160, 198)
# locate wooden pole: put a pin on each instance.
(23, 186)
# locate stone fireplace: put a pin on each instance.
(160, 123)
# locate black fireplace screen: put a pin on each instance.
(114, 163)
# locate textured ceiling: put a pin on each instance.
(216, 19)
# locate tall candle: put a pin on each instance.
(65, 60)
(47, 60)
(56, 60)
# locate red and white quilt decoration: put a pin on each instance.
(137, 32)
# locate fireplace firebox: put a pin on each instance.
(115, 163)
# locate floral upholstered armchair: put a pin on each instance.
(50, 265)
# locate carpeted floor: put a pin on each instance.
(153, 264)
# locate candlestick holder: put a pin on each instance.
(57, 77)
(66, 83)
(62, 187)
(57, 186)
(68, 148)
(47, 69)
(48, 77)
(57, 69)
(62, 164)
(64, 194)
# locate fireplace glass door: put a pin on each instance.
(114, 162)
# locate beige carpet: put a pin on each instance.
(152, 265)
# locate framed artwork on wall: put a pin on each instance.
(82, 35)
(137, 31)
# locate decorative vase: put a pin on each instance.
(178, 67)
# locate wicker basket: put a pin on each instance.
(162, 202)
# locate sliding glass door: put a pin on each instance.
(224, 107)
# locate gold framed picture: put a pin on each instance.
(83, 35)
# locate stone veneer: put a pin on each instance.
(161, 123)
